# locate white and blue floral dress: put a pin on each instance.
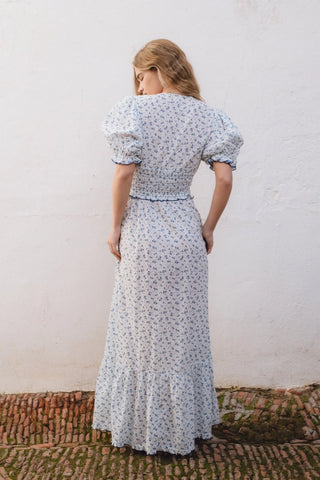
(155, 387)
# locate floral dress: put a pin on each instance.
(155, 386)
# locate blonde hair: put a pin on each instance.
(172, 66)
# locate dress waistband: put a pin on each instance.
(187, 197)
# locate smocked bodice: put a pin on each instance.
(159, 184)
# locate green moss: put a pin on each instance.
(268, 404)
(304, 398)
(266, 429)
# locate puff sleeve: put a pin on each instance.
(122, 130)
(224, 142)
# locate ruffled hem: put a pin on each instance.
(168, 448)
(156, 411)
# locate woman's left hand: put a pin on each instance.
(113, 242)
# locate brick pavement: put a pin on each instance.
(266, 434)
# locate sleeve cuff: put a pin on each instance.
(125, 160)
(222, 159)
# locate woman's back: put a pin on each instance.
(168, 135)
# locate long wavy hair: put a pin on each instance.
(174, 70)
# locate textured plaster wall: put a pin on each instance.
(63, 65)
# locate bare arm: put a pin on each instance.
(120, 192)
(221, 194)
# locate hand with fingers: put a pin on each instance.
(207, 235)
(114, 242)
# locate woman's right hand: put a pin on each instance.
(207, 235)
(114, 242)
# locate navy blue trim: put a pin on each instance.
(162, 199)
(229, 162)
(122, 162)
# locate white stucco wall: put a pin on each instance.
(63, 65)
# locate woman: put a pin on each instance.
(155, 387)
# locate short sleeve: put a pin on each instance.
(122, 130)
(224, 142)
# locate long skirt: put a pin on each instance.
(155, 386)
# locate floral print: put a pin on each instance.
(155, 386)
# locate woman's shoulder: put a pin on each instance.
(168, 99)
(216, 114)
(208, 112)
(127, 100)
(124, 106)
